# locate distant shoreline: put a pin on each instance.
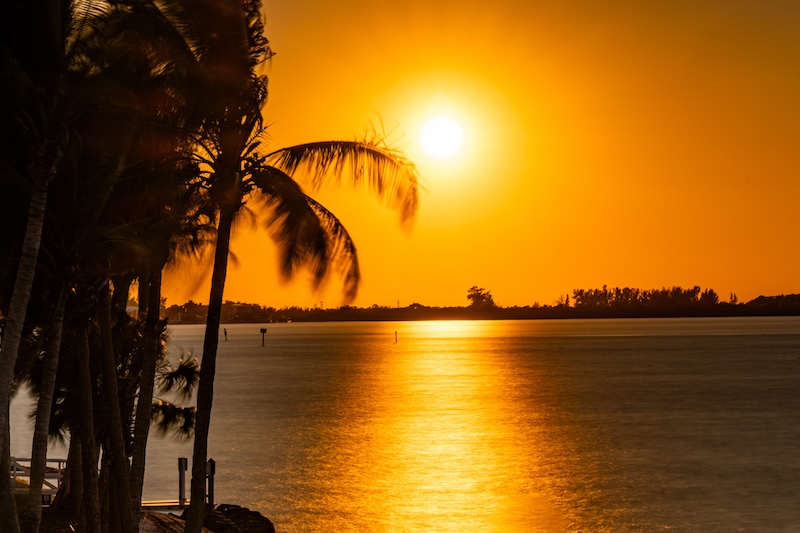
(240, 313)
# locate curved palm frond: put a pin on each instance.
(344, 253)
(387, 173)
(307, 234)
(155, 47)
(169, 417)
(180, 378)
(83, 19)
(258, 45)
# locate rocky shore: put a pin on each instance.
(224, 518)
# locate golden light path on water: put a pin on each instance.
(435, 451)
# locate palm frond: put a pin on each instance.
(385, 171)
(259, 48)
(307, 235)
(83, 20)
(169, 417)
(181, 379)
(343, 249)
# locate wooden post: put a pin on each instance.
(210, 471)
(263, 333)
(183, 466)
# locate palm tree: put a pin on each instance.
(93, 241)
(116, 453)
(37, 50)
(155, 76)
(145, 47)
(178, 234)
(86, 422)
(173, 220)
(31, 65)
(31, 513)
(308, 235)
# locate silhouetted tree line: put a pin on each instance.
(627, 298)
(631, 297)
(605, 302)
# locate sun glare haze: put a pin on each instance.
(441, 137)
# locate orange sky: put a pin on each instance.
(626, 143)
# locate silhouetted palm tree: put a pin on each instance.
(308, 235)
(156, 47)
(141, 48)
(43, 99)
(181, 232)
(32, 59)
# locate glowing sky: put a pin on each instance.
(627, 143)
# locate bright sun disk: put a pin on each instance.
(441, 137)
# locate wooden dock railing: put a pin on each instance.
(54, 474)
(21, 471)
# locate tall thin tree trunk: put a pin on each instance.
(91, 496)
(69, 491)
(103, 483)
(114, 506)
(144, 405)
(143, 294)
(118, 458)
(8, 508)
(119, 299)
(205, 391)
(75, 500)
(31, 515)
(12, 336)
(119, 308)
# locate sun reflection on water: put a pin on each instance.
(443, 328)
(434, 449)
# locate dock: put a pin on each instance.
(54, 474)
(21, 476)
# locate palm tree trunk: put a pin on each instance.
(104, 486)
(115, 506)
(91, 495)
(144, 406)
(12, 335)
(205, 391)
(8, 508)
(119, 308)
(68, 493)
(31, 515)
(75, 467)
(118, 457)
(143, 294)
(122, 286)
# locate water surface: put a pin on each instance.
(512, 426)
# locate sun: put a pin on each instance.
(441, 137)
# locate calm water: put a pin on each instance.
(524, 426)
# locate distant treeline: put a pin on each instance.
(592, 303)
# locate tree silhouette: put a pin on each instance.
(32, 66)
(480, 297)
